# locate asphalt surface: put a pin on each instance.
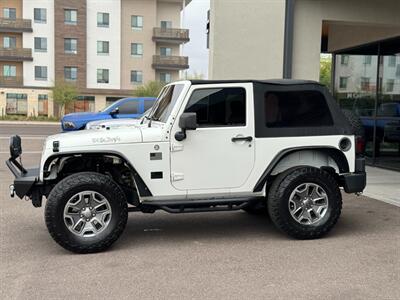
(222, 255)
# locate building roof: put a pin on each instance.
(269, 81)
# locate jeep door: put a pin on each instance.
(219, 154)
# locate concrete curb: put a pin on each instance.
(29, 123)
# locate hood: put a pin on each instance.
(83, 116)
(92, 138)
(113, 123)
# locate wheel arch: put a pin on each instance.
(277, 165)
(142, 188)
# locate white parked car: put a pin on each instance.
(280, 145)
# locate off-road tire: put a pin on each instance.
(76, 183)
(278, 199)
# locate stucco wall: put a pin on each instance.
(112, 34)
(45, 30)
(246, 39)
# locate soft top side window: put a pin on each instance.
(218, 106)
(296, 109)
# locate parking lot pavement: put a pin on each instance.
(209, 255)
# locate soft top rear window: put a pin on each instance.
(304, 108)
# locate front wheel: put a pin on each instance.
(305, 202)
(86, 212)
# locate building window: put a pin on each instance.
(365, 81)
(39, 15)
(70, 73)
(218, 107)
(9, 13)
(102, 75)
(70, 16)
(40, 44)
(103, 47)
(398, 71)
(166, 24)
(344, 60)
(9, 71)
(164, 51)
(82, 103)
(10, 42)
(137, 22)
(367, 59)
(137, 77)
(136, 49)
(16, 104)
(103, 19)
(390, 85)
(40, 73)
(392, 61)
(343, 82)
(165, 77)
(71, 46)
(43, 105)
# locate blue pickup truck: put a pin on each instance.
(123, 108)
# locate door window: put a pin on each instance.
(218, 106)
(129, 108)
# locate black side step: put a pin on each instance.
(192, 206)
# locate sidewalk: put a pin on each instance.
(383, 185)
(29, 123)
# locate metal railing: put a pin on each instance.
(172, 34)
(15, 25)
(11, 81)
(15, 53)
(170, 62)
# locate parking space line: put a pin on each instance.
(25, 152)
(27, 137)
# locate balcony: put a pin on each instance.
(11, 81)
(161, 62)
(171, 35)
(15, 54)
(17, 25)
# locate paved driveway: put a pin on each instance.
(224, 255)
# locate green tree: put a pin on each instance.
(64, 94)
(325, 71)
(150, 89)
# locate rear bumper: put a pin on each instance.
(355, 182)
(26, 183)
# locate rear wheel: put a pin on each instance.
(305, 202)
(86, 212)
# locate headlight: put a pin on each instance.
(69, 125)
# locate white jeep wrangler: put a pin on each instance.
(279, 145)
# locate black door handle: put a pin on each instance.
(242, 138)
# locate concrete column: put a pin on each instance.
(100, 102)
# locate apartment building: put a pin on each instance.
(106, 48)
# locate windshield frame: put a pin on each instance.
(163, 118)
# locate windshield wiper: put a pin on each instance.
(144, 118)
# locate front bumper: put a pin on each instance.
(355, 182)
(26, 182)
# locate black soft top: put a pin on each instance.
(269, 81)
(340, 124)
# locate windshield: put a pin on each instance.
(166, 102)
(116, 103)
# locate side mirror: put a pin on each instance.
(15, 146)
(187, 121)
(114, 112)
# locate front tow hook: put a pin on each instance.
(12, 191)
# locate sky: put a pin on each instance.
(194, 18)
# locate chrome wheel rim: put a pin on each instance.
(87, 213)
(308, 203)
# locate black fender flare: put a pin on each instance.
(334, 153)
(143, 190)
